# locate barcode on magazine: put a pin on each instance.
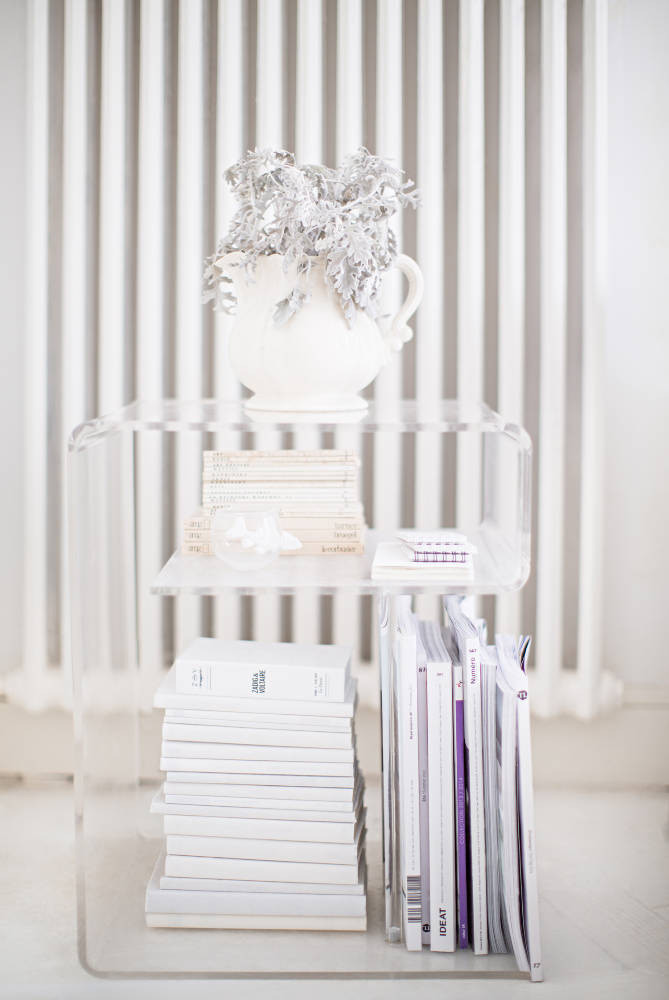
(414, 899)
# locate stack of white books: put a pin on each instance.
(444, 555)
(315, 493)
(262, 801)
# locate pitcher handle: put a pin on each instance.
(400, 332)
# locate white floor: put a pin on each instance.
(604, 878)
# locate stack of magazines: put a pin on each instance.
(315, 493)
(262, 801)
(458, 799)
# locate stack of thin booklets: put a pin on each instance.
(425, 555)
(464, 835)
(262, 801)
(315, 493)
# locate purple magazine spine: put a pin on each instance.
(460, 820)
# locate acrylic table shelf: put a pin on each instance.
(133, 476)
(494, 572)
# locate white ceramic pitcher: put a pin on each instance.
(313, 362)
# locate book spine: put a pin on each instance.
(259, 829)
(460, 806)
(190, 731)
(440, 772)
(306, 535)
(292, 507)
(294, 454)
(183, 866)
(474, 777)
(324, 524)
(245, 849)
(239, 751)
(327, 549)
(259, 492)
(224, 768)
(312, 474)
(424, 806)
(410, 793)
(261, 681)
(252, 904)
(200, 806)
(197, 523)
(197, 549)
(528, 840)
(211, 702)
(251, 795)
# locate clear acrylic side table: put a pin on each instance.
(116, 736)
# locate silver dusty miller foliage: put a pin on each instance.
(305, 213)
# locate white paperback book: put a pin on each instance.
(409, 776)
(162, 900)
(496, 941)
(423, 785)
(254, 922)
(251, 720)
(190, 866)
(259, 737)
(264, 670)
(319, 782)
(515, 676)
(167, 696)
(258, 809)
(251, 752)
(265, 829)
(253, 886)
(443, 917)
(271, 796)
(220, 766)
(467, 639)
(507, 755)
(249, 849)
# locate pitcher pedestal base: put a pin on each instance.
(306, 408)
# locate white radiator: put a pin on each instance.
(135, 111)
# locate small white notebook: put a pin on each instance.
(391, 562)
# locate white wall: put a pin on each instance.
(636, 590)
(12, 260)
(637, 369)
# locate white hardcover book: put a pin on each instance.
(167, 696)
(222, 885)
(191, 866)
(409, 777)
(249, 849)
(423, 786)
(250, 752)
(218, 805)
(319, 782)
(508, 659)
(207, 921)
(263, 796)
(252, 720)
(263, 828)
(216, 765)
(192, 733)
(159, 900)
(167, 805)
(264, 670)
(441, 789)
(496, 941)
(467, 639)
